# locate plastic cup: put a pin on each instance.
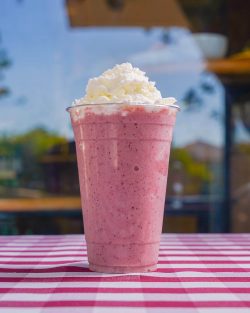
(123, 155)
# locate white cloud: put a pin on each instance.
(181, 48)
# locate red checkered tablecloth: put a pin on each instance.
(196, 273)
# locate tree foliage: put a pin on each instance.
(33, 144)
(192, 167)
(36, 142)
(29, 148)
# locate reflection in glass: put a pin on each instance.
(47, 65)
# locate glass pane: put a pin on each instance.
(45, 63)
(240, 162)
(195, 186)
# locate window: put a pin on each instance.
(46, 59)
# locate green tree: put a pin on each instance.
(6, 147)
(30, 147)
(196, 175)
(36, 142)
(193, 168)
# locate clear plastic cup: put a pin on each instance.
(122, 155)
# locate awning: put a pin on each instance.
(128, 13)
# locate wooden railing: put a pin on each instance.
(40, 204)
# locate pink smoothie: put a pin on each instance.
(123, 166)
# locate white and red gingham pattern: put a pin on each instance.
(196, 273)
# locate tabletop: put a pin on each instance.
(196, 273)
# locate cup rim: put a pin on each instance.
(72, 107)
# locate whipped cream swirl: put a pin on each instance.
(123, 84)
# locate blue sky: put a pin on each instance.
(52, 62)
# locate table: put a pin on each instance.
(196, 273)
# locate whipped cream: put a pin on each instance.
(122, 84)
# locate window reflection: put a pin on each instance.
(241, 163)
(45, 63)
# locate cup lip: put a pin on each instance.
(121, 104)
